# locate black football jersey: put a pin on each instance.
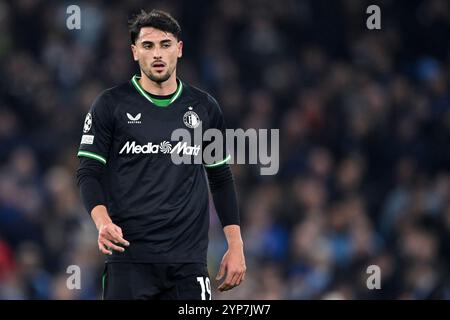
(161, 206)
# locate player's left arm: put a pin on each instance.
(223, 190)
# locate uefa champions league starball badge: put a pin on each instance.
(87, 123)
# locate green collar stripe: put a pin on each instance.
(157, 102)
(162, 102)
(218, 163)
(91, 155)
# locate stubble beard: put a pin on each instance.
(158, 78)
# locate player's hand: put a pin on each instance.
(110, 238)
(233, 265)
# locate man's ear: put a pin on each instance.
(134, 50)
(180, 49)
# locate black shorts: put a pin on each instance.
(156, 281)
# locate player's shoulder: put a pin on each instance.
(108, 98)
(118, 91)
(204, 97)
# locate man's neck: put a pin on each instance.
(159, 88)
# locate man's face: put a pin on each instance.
(157, 53)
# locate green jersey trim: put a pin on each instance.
(224, 161)
(103, 286)
(156, 102)
(91, 155)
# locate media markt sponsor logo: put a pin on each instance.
(164, 147)
(183, 148)
(133, 148)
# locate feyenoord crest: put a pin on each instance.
(191, 119)
(87, 123)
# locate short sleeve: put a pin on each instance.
(97, 131)
(217, 121)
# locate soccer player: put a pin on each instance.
(151, 214)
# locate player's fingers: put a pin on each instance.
(225, 284)
(235, 279)
(223, 287)
(242, 277)
(229, 280)
(118, 230)
(116, 237)
(111, 245)
(103, 250)
(105, 235)
(221, 271)
(239, 280)
(113, 235)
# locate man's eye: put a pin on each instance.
(166, 45)
(146, 46)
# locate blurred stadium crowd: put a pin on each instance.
(364, 120)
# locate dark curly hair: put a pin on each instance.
(157, 19)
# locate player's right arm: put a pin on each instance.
(108, 232)
(89, 175)
(93, 154)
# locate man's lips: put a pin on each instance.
(158, 64)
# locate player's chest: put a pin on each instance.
(149, 123)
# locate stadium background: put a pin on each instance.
(364, 120)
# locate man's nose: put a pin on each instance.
(157, 53)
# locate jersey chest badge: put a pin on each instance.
(191, 119)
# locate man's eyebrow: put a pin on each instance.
(151, 42)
